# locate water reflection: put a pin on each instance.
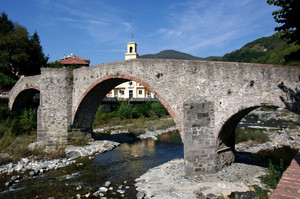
(125, 163)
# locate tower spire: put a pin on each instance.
(132, 39)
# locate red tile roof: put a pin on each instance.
(73, 60)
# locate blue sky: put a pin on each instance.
(100, 29)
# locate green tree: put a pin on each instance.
(20, 53)
(288, 16)
(55, 64)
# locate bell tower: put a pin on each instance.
(131, 51)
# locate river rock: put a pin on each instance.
(37, 145)
(78, 188)
(73, 155)
(107, 184)
(92, 148)
(121, 191)
(140, 195)
(103, 189)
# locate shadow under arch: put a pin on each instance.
(226, 137)
(91, 99)
(28, 98)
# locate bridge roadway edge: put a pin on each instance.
(289, 184)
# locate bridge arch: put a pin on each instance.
(90, 100)
(226, 136)
(26, 98)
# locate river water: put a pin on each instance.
(121, 166)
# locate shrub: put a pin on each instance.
(285, 154)
(158, 109)
(274, 173)
(125, 110)
(78, 138)
(25, 123)
(142, 110)
(59, 151)
(4, 112)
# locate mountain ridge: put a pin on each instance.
(265, 50)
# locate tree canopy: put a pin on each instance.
(20, 53)
(288, 16)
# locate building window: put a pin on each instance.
(116, 93)
(140, 92)
(130, 83)
(122, 92)
(130, 49)
(148, 94)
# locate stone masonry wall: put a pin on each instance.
(69, 98)
(55, 110)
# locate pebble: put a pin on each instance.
(78, 188)
(103, 189)
(140, 195)
(121, 191)
(107, 184)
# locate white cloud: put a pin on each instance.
(195, 25)
(101, 22)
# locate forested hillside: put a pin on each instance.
(266, 50)
(171, 54)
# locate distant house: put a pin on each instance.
(73, 59)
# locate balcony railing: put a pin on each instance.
(115, 99)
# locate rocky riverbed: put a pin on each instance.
(169, 180)
(33, 167)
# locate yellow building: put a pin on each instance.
(131, 51)
(130, 89)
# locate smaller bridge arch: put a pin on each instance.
(226, 128)
(25, 99)
(21, 95)
(83, 114)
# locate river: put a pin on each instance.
(120, 166)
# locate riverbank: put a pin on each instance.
(29, 167)
(169, 181)
(119, 134)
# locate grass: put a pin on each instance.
(246, 134)
(17, 132)
(77, 138)
(138, 126)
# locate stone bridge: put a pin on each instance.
(206, 100)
